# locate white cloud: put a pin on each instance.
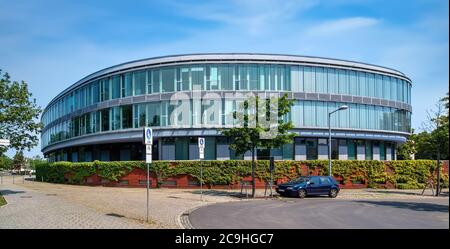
(341, 25)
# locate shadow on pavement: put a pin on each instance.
(415, 206)
(11, 192)
(217, 193)
(392, 192)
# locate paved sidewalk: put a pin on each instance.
(45, 205)
(31, 209)
(166, 205)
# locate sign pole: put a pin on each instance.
(271, 167)
(148, 185)
(148, 141)
(201, 155)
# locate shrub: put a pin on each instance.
(402, 174)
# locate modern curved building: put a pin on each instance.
(101, 116)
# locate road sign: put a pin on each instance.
(148, 153)
(201, 142)
(148, 135)
(201, 147)
(4, 142)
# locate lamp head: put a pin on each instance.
(344, 107)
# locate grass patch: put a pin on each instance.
(2, 201)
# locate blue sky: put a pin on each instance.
(52, 44)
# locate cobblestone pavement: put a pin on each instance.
(55, 202)
(71, 206)
(32, 209)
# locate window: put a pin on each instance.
(105, 119)
(351, 148)
(126, 116)
(140, 79)
(314, 180)
(253, 77)
(334, 149)
(182, 148)
(139, 113)
(311, 148)
(325, 181)
(115, 118)
(343, 82)
(382, 151)
(156, 81)
(321, 80)
(127, 85)
(153, 114)
(369, 153)
(198, 80)
(168, 80)
(104, 89)
(115, 87)
(226, 77)
(310, 79)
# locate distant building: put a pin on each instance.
(101, 116)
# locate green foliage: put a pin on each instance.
(414, 174)
(405, 174)
(5, 162)
(18, 160)
(435, 135)
(19, 114)
(35, 161)
(2, 200)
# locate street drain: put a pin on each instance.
(26, 196)
(174, 197)
(115, 215)
(51, 194)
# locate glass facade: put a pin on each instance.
(61, 124)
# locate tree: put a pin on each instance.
(260, 124)
(407, 149)
(5, 163)
(19, 114)
(18, 160)
(35, 161)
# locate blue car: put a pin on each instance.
(309, 185)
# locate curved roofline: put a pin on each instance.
(180, 58)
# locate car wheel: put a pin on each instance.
(333, 193)
(301, 193)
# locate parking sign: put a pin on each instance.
(148, 135)
(201, 147)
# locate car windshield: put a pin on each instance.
(299, 180)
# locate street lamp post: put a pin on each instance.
(344, 107)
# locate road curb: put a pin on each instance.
(183, 218)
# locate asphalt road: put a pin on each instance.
(324, 213)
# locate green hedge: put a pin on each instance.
(405, 174)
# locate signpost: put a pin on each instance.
(148, 141)
(201, 155)
(271, 168)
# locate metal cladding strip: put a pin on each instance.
(230, 58)
(135, 135)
